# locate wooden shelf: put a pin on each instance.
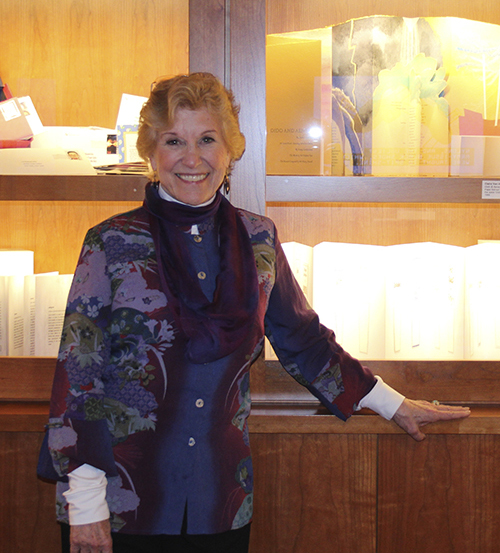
(72, 188)
(278, 189)
(483, 420)
(375, 189)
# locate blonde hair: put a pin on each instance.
(194, 91)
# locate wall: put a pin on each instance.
(76, 58)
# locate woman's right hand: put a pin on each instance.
(91, 538)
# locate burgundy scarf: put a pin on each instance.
(217, 328)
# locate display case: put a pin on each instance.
(398, 480)
(361, 485)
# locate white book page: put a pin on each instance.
(425, 301)
(50, 306)
(349, 295)
(482, 321)
(15, 315)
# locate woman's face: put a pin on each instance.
(191, 157)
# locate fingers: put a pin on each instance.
(418, 435)
(414, 431)
(413, 414)
(432, 412)
(91, 538)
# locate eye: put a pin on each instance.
(172, 142)
(208, 139)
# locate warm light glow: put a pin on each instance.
(315, 132)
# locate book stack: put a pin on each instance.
(421, 301)
(32, 306)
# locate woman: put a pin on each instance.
(167, 312)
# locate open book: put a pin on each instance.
(32, 306)
(421, 301)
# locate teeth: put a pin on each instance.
(192, 178)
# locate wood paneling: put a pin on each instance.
(51, 215)
(385, 224)
(207, 37)
(27, 504)
(75, 59)
(26, 378)
(440, 495)
(483, 421)
(320, 483)
(471, 382)
(247, 80)
(375, 189)
(103, 188)
(53, 230)
(314, 493)
(298, 15)
(23, 416)
(235, 32)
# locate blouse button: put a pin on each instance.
(202, 275)
(191, 442)
(199, 403)
(197, 238)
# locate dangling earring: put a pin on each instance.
(226, 184)
(153, 175)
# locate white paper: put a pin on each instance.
(424, 301)
(51, 296)
(130, 109)
(93, 141)
(31, 115)
(15, 315)
(349, 295)
(44, 161)
(482, 317)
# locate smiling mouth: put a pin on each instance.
(192, 178)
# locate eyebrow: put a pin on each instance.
(177, 134)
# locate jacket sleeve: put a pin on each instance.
(308, 350)
(77, 432)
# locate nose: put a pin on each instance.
(192, 157)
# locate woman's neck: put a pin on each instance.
(164, 195)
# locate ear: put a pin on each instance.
(152, 160)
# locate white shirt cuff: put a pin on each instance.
(86, 496)
(382, 399)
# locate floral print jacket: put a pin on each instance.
(172, 435)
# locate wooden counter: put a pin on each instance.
(362, 485)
